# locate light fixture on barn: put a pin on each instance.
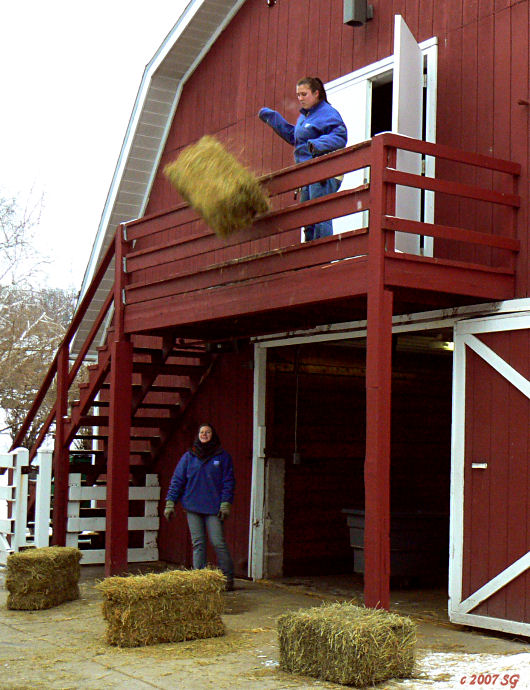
(296, 455)
(271, 3)
(357, 12)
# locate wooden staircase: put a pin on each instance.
(166, 375)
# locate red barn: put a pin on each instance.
(372, 386)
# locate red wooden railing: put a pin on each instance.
(63, 352)
(175, 254)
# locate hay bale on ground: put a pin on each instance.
(216, 185)
(347, 644)
(42, 578)
(163, 607)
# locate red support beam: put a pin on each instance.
(116, 537)
(377, 461)
(378, 395)
(61, 458)
(119, 442)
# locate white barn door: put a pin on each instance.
(489, 568)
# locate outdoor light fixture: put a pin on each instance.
(271, 3)
(357, 12)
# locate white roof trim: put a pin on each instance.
(158, 96)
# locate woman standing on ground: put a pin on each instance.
(318, 130)
(204, 482)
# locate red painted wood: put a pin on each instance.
(496, 499)
(117, 504)
(318, 284)
(60, 453)
(378, 401)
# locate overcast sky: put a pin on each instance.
(70, 72)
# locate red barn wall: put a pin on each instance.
(224, 400)
(482, 75)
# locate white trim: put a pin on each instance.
(139, 555)
(499, 364)
(402, 323)
(489, 623)
(456, 510)
(257, 493)
(498, 582)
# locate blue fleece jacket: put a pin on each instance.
(317, 131)
(202, 486)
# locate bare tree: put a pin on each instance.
(18, 258)
(32, 325)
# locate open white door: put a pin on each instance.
(407, 118)
(353, 101)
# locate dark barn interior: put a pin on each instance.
(316, 422)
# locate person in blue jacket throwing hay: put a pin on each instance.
(203, 481)
(318, 130)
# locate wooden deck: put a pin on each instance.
(178, 274)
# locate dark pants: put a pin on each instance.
(315, 191)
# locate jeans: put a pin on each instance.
(314, 191)
(199, 524)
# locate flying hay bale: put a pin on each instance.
(42, 578)
(347, 644)
(163, 607)
(217, 186)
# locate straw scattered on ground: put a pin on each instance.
(217, 186)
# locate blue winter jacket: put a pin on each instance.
(202, 486)
(317, 131)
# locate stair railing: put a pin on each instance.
(63, 354)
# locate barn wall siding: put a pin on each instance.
(482, 74)
(224, 400)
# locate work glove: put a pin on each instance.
(224, 510)
(169, 510)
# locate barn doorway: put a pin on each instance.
(315, 436)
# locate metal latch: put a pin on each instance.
(479, 465)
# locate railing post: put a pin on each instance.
(61, 458)
(117, 502)
(42, 498)
(378, 400)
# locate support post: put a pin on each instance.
(117, 531)
(61, 459)
(377, 461)
(117, 500)
(378, 395)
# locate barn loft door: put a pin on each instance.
(489, 571)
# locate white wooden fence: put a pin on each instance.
(148, 523)
(14, 533)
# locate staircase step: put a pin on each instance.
(137, 387)
(157, 406)
(153, 352)
(167, 369)
(92, 451)
(137, 422)
(90, 437)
